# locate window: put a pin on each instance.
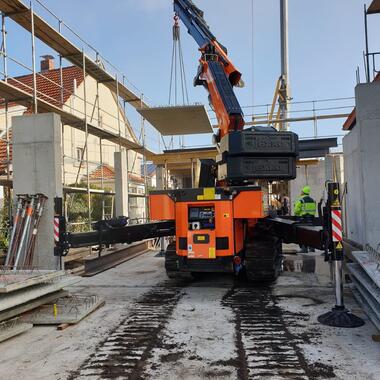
(133, 202)
(80, 155)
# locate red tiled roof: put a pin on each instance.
(48, 84)
(108, 173)
(47, 90)
(3, 153)
(136, 178)
(351, 120)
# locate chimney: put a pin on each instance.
(47, 63)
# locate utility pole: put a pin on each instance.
(284, 87)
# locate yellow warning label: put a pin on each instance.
(211, 253)
(201, 238)
(200, 198)
(339, 245)
(209, 193)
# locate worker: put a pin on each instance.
(305, 209)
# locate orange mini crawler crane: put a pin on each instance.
(223, 226)
(217, 228)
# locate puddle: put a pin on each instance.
(307, 263)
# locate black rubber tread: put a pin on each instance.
(171, 264)
(263, 258)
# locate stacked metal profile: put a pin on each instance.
(365, 275)
(22, 243)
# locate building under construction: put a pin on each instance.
(128, 252)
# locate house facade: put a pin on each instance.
(103, 110)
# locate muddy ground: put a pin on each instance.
(210, 328)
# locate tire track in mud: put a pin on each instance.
(266, 347)
(123, 354)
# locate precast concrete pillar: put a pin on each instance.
(37, 168)
(121, 184)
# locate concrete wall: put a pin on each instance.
(37, 168)
(362, 166)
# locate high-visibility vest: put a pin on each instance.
(308, 206)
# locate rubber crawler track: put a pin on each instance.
(124, 353)
(266, 347)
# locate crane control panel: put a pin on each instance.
(201, 218)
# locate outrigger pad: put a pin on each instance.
(340, 317)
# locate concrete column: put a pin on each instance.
(334, 167)
(160, 177)
(37, 168)
(160, 183)
(121, 183)
(361, 161)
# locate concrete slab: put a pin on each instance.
(178, 120)
(370, 266)
(30, 305)
(362, 302)
(10, 300)
(367, 296)
(12, 328)
(69, 310)
(357, 271)
(15, 280)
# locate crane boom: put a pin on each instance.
(216, 71)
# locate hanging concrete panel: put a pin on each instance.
(374, 7)
(178, 120)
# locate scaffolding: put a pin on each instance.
(87, 117)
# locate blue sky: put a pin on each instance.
(326, 40)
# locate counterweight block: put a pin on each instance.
(258, 153)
